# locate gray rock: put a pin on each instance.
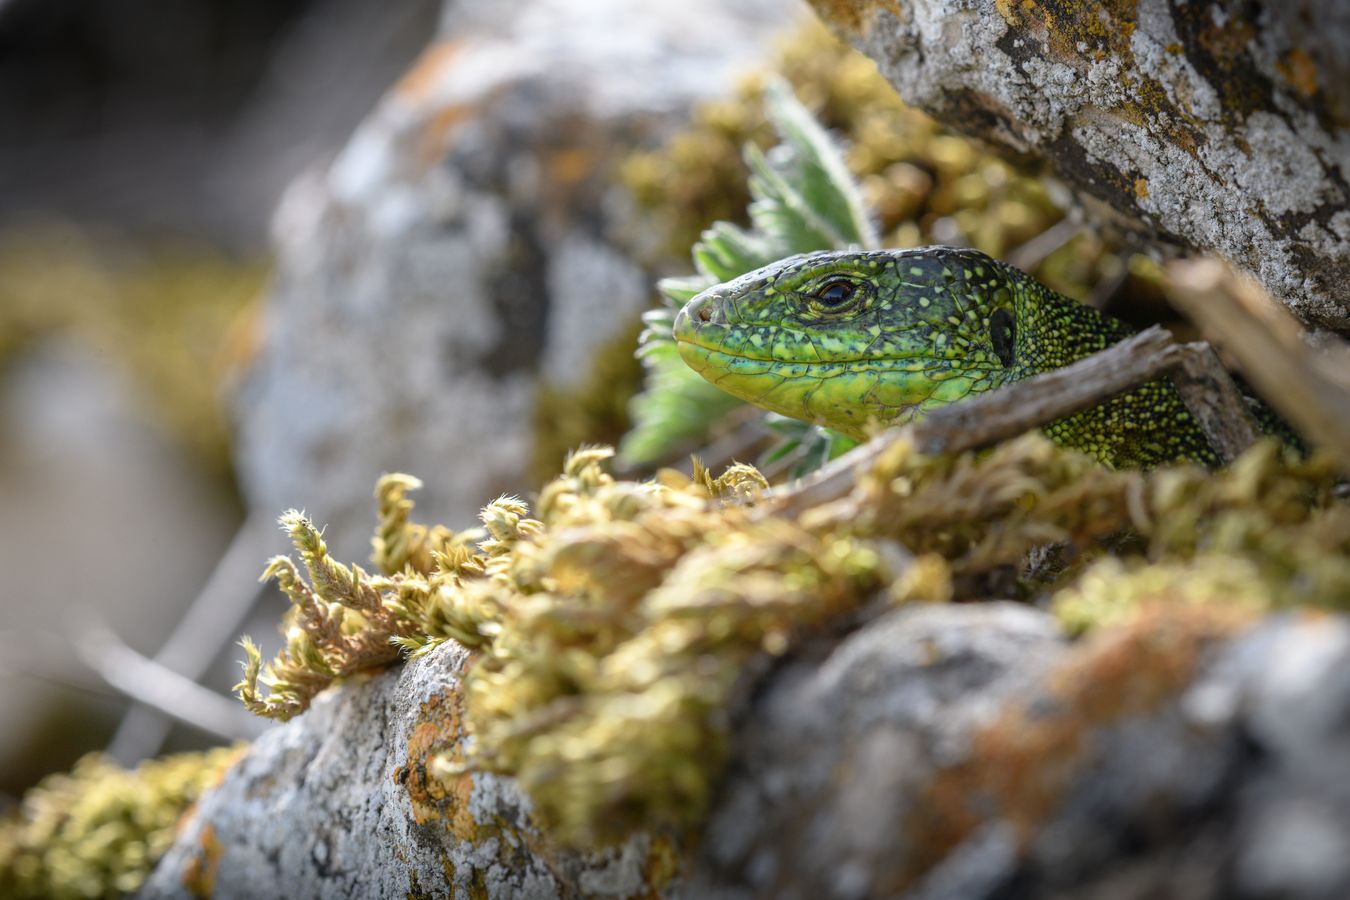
(839, 750)
(324, 807)
(940, 752)
(1216, 126)
(1138, 765)
(471, 241)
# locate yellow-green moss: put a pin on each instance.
(1261, 536)
(98, 831)
(614, 624)
(924, 183)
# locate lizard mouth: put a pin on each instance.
(842, 394)
(718, 344)
(712, 355)
(706, 345)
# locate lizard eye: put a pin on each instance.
(833, 293)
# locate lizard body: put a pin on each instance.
(845, 339)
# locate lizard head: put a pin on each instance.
(843, 339)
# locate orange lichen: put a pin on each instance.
(1141, 188)
(1299, 70)
(199, 877)
(1077, 32)
(428, 71)
(1020, 765)
(854, 18)
(434, 141)
(569, 166)
(661, 866)
(439, 733)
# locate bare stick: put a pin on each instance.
(165, 690)
(1309, 386)
(1009, 411)
(1031, 254)
(1016, 408)
(213, 619)
(1214, 401)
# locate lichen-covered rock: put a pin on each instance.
(1220, 126)
(1190, 754)
(942, 751)
(471, 242)
(98, 830)
(340, 804)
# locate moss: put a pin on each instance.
(98, 831)
(615, 628)
(1264, 535)
(924, 183)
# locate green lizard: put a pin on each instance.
(848, 339)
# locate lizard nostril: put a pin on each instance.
(705, 313)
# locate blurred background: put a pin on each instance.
(143, 145)
(144, 148)
(254, 253)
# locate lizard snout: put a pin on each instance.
(705, 309)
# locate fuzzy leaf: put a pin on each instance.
(803, 200)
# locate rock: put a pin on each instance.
(338, 803)
(960, 751)
(833, 759)
(1220, 127)
(470, 242)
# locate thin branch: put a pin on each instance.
(44, 656)
(1309, 386)
(1031, 254)
(1215, 402)
(1008, 412)
(214, 618)
(150, 683)
(1020, 407)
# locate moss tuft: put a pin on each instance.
(99, 830)
(617, 623)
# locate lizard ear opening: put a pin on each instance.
(1003, 335)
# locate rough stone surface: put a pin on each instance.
(1218, 126)
(471, 241)
(964, 755)
(337, 804)
(939, 752)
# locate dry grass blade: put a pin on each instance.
(1017, 408)
(1309, 386)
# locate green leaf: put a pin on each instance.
(677, 407)
(820, 173)
(803, 199)
(679, 291)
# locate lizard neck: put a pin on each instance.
(1053, 331)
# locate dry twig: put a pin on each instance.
(163, 689)
(1308, 386)
(1016, 408)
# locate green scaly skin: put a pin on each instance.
(922, 328)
